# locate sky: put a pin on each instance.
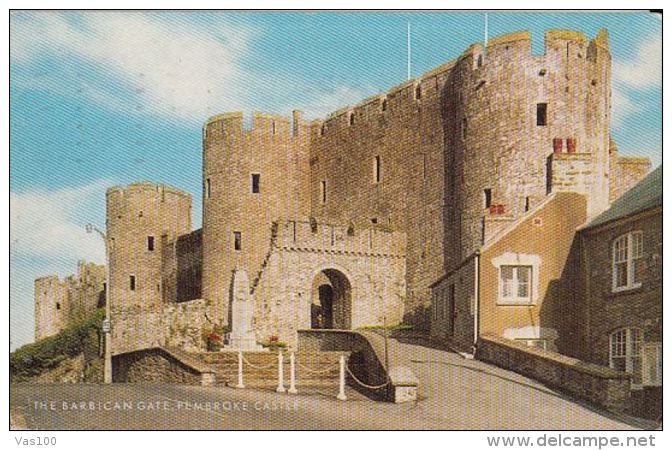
(105, 98)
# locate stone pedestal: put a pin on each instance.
(242, 336)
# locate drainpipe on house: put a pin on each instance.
(477, 299)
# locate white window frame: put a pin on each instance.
(654, 351)
(508, 290)
(626, 249)
(518, 259)
(629, 347)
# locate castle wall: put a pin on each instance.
(405, 129)
(51, 297)
(275, 151)
(625, 173)
(174, 325)
(495, 141)
(182, 268)
(60, 303)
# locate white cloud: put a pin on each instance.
(160, 64)
(622, 107)
(325, 101)
(644, 70)
(155, 65)
(51, 224)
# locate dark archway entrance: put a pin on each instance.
(331, 306)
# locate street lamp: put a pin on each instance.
(107, 377)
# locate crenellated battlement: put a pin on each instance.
(233, 123)
(506, 47)
(146, 187)
(301, 235)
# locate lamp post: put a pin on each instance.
(107, 324)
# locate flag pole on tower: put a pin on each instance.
(408, 50)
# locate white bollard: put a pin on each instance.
(341, 380)
(240, 384)
(281, 381)
(292, 374)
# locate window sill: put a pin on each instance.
(618, 290)
(515, 303)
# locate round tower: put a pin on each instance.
(513, 115)
(251, 177)
(140, 217)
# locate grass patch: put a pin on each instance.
(34, 359)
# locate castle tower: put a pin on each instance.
(139, 218)
(519, 121)
(51, 303)
(250, 178)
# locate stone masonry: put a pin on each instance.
(59, 303)
(347, 221)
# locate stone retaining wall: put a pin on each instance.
(153, 366)
(597, 384)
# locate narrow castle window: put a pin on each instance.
(150, 243)
(132, 282)
(418, 92)
(352, 119)
(542, 114)
(323, 191)
(207, 188)
(256, 180)
(527, 204)
(58, 306)
(487, 197)
(273, 126)
(237, 240)
(376, 169)
(323, 129)
(384, 105)
(374, 220)
(479, 61)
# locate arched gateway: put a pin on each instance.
(326, 276)
(331, 301)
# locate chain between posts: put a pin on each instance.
(328, 369)
(254, 366)
(361, 383)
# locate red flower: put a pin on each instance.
(214, 337)
(274, 339)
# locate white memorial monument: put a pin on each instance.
(242, 337)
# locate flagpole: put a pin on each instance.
(408, 50)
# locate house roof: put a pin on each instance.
(646, 194)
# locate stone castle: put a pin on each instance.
(347, 222)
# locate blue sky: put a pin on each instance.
(115, 97)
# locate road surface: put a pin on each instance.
(455, 394)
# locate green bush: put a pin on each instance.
(36, 358)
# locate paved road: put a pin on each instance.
(455, 394)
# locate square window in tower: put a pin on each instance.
(132, 282)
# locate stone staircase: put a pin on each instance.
(313, 368)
